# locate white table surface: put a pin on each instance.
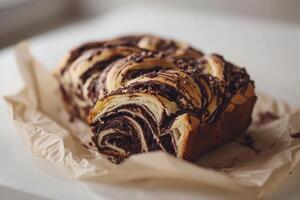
(270, 50)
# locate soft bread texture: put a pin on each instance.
(144, 93)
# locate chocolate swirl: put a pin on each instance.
(148, 93)
(79, 79)
(126, 124)
(79, 72)
(130, 68)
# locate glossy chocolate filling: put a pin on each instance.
(76, 53)
(131, 143)
(168, 143)
(169, 92)
(124, 136)
(93, 90)
(99, 66)
(139, 72)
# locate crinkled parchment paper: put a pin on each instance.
(253, 163)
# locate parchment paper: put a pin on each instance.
(254, 163)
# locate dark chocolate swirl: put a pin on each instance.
(148, 93)
(129, 123)
(79, 72)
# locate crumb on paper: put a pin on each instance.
(247, 141)
(295, 135)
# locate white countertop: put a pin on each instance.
(268, 49)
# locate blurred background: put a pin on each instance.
(261, 35)
(20, 19)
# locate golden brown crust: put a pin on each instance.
(204, 137)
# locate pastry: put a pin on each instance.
(79, 71)
(143, 93)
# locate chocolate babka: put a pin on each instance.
(144, 93)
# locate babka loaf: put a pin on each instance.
(144, 93)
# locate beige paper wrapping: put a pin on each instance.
(254, 168)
